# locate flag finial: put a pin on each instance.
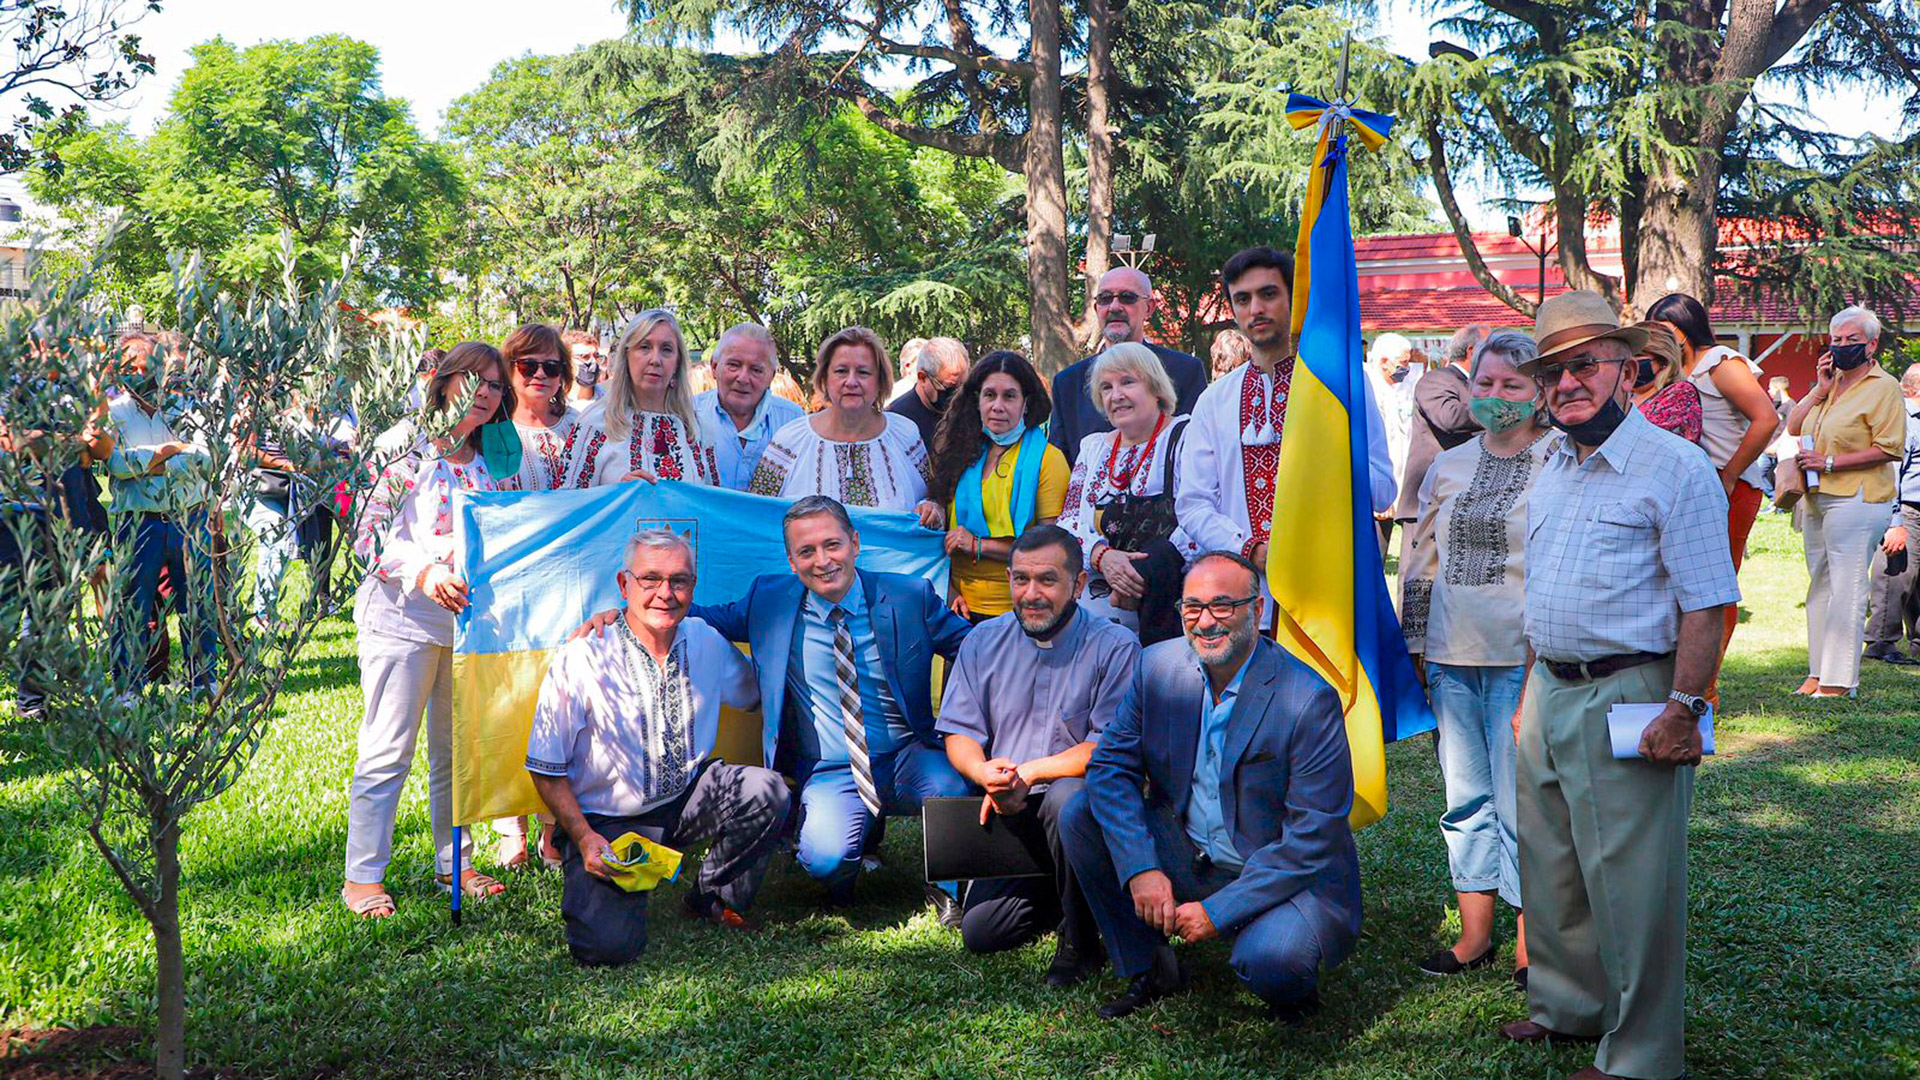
(1340, 84)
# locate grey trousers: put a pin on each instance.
(1603, 859)
(403, 683)
(1891, 607)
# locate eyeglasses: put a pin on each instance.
(1128, 298)
(1549, 374)
(494, 385)
(679, 583)
(529, 368)
(1219, 609)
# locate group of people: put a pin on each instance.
(1572, 524)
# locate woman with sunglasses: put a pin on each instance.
(405, 618)
(540, 366)
(648, 429)
(1671, 402)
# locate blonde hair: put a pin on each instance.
(853, 335)
(620, 392)
(1140, 360)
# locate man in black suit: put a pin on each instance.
(1124, 302)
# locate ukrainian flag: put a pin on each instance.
(538, 563)
(1323, 560)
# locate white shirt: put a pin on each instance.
(658, 443)
(886, 472)
(406, 525)
(627, 733)
(550, 457)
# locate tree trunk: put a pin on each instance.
(1676, 238)
(1046, 175)
(1099, 158)
(170, 1035)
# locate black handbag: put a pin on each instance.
(274, 484)
(1131, 522)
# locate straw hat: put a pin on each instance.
(1577, 318)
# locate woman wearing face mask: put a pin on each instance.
(1858, 424)
(405, 617)
(995, 474)
(849, 450)
(1672, 403)
(647, 426)
(1463, 606)
(1120, 499)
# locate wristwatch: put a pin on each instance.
(1829, 462)
(1697, 704)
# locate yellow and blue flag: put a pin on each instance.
(1323, 559)
(538, 563)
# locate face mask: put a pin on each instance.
(586, 373)
(945, 399)
(1848, 357)
(1595, 429)
(1497, 414)
(1645, 375)
(1012, 436)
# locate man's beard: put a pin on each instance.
(1239, 641)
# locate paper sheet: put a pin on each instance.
(1627, 722)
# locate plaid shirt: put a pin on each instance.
(1622, 543)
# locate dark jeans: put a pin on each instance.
(739, 808)
(1277, 954)
(158, 543)
(29, 696)
(1006, 913)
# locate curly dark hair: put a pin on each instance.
(960, 440)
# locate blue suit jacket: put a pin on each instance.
(910, 624)
(1286, 780)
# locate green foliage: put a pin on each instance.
(283, 137)
(79, 52)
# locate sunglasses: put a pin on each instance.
(1549, 374)
(1128, 298)
(529, 368)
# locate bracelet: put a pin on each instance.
(976, 549)
(1829, 462)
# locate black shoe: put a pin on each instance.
(1520, 979)
(1445, 963)
(1072, 965)
(945, 908)
(1295, 1013)
(1895, 657)
(1167, 977)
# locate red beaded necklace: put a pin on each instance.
(1122, 482)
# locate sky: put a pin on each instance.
(433, 51)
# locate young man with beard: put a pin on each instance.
(1216, 803)
(1124, 303)
(1022, 712)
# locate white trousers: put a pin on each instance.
(401, 680)
(1842, 533)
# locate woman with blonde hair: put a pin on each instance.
(648, 429)
(849, 450)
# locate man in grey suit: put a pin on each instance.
(1242, 827)
(1442, 418)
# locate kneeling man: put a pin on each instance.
(1242, 827)
(620, 742)
(1029, 693)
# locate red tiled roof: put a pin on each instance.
(1447, 309)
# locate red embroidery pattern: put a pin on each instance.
(587, 462)
(1260, 464)
(665, 450)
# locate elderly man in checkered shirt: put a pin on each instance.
(1627, 574)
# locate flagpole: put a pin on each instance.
(454, 892)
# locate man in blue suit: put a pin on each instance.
(1242, 827)
(846, 659)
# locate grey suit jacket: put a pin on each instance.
(1441, 421)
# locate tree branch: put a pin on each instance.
(1443, 187)
(1789, 25)
(1006, 150)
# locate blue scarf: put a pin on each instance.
(970, 515)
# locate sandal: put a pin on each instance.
(367, 905)
(474, 885)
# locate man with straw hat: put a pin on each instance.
(1627, 572)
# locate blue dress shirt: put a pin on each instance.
(1206, 825)
(811, 681)
(737, 450)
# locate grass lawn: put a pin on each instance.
(1804, 955)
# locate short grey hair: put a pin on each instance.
(938, 353)
(813, 505)
(1868, 321)
(747, 331)
(1460, 345)
(1514, 346)
(1137, 358)
(659, 540)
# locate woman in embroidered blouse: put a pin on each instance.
(405, 614)
(1463, 606)
(1120, 500)
(850, 450)
(540, 366)
(647, 426)
(995, 475)
(1671, 402)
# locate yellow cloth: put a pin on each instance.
(1869, 415)
(639, 864)
(983, 584)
